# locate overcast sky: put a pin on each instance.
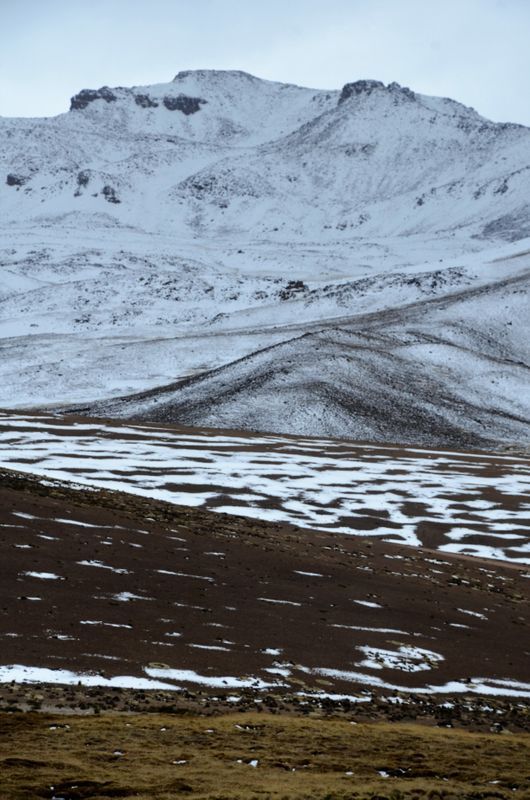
(476, 51)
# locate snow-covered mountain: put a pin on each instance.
(347, 262)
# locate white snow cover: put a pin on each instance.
(23, 674)
(190, 676)
(47, 576)
(315, 483)
(156, 233)
(26, 674)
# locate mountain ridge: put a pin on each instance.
(157, 233)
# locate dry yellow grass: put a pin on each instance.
(157, 757)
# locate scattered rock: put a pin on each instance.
(83, 179)
(292, 289)
(502, 189)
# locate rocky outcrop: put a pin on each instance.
(109, 193)
(14, 179)
(359, 87)
(83, 178)
(144, 101)
(87, 96)
(366, 87)
(182, 102)
(403, 90)
(510, 227)
(293, 289)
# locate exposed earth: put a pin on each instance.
(473, 503)
(141, 594)
(155, 650)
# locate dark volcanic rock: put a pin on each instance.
(83, 178)
(359, 87)
(368, 86)
(188, 105)
(86, 96)
(292, 289)
(109, 192)
(403, 90)
(144, 101)
(14, 179)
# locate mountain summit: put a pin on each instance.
(227, 152)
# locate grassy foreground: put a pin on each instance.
(157, 757)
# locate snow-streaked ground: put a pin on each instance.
(119, 592)
(178, 679)
(473, 504)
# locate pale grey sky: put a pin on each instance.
(476, 51)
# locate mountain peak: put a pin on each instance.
(214, 73)
(366, 87)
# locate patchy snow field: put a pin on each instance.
(469, 503)
(119, 591)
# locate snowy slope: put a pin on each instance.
(420, 374)
(155, 234)
(226, 153)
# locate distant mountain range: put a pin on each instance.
(240, 253)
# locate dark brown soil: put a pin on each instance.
(228, 570)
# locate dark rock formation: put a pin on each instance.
(14, 179)
(292, 289)
(359, 149)
(188, 105)
(403, 90)
(83, 178)
(109, 193)
(86, 96)
(367, 87)
(144, 101)
(359, 87)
